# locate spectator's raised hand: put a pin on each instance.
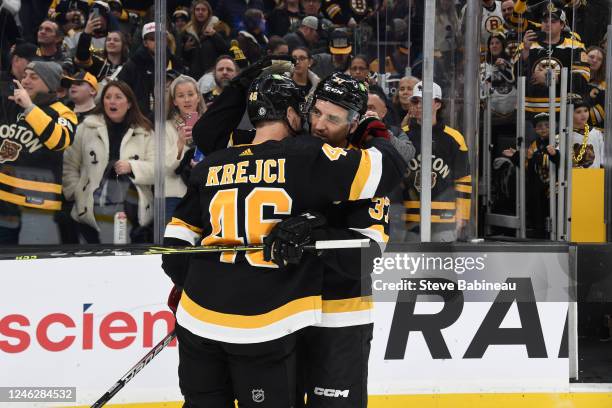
(509, 152)
(529, 38)
(21, 96)
(551, 150)
(93, 24)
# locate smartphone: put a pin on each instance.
(95, 13)
(191, 119)
(198, 156)
(7, 88)
(541, 36)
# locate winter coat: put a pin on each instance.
(201, 58)
(86, 160)
(174, 184)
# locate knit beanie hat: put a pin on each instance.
(50, 73)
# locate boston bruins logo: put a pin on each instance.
(548, 63)
(9, 151)
(493, 24)
(417, 180)
(359, 6)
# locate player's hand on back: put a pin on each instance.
(286, 242)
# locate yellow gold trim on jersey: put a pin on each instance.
(348, 305)
(21, 200)
(375, 232)
(455, 134)
(309, 303)
(368, 175)
(242, 329)
(30, 185)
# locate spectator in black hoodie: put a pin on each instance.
(139, 70)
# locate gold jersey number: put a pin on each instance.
(224, 216)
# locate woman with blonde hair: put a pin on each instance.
(401, 100)
(201, 43)
(184, 108)
(109, 170)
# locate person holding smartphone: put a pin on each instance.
(185, 107)
(552, 49)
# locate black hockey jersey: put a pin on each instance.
(341, 11)
(451, 188)
(235, 197)
(31, 158)
(568, 52)
(596, 97)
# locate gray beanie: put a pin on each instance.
(50, 72)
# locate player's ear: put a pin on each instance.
(293, 118)
(353, 126)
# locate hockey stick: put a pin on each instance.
(20, 253)
(134, 370)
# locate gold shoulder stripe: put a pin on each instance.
(180, 223)
(455, 134)
(361, 178)
(348, 305)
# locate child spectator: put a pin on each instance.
(539, 154)
(587, 143)
(82, 90)
(596, 92)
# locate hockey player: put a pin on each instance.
(238, 311)
(346, 324)
(451, 180)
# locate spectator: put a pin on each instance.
(109, 169)
(138, 71)
(492, 20)
(180, 19)
(201, 44)
(114, 55)
(305, 79)
(9, 30)
(82, 90)
(565, 51)
(596, 95)
(539, 155)
(346, 13)
(339, 56)
(498, 79)
(397, 62)
(186, 105)
(285, 18)
(359, 68)
(20, 58)
(587, 144)
(71, 18)
(252, 40)
(311, 8)
(306, 35)
(401, 100)
(50, 37)
(225, 70)
(232, 12)
(31, 161)
(451, 179)
(277, 46)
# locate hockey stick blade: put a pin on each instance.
(28, 254)
(134, 370)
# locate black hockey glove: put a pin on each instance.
(286, 242)
(270, 64)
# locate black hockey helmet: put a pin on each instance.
(540, 117)
(343, 90)
(269, 97)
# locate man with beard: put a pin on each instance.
(225, 70)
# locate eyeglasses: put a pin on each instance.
(301, 58)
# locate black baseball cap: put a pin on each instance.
(25, 50)
(339, 42)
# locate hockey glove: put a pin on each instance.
(270, 64)
(369, 128)
(174, 297)
(286, 242)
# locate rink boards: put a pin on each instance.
(85, 322)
